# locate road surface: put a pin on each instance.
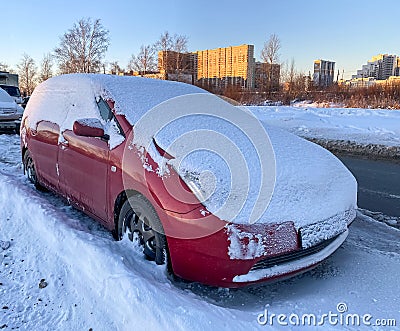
(378, 184)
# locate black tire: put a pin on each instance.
(138, 216)
(30, 171)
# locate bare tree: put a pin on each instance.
(3, 67)
(27, 71)
(179, 45)
(82, 48)
(172, 47)
(270, 51)
(46, 69)
(115, 68)
(270, 55)
(144, 61)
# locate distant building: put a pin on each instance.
(380, 67)
(220, 67)
(324, 72)
(178, 66)
(8, 79)
(267, 76)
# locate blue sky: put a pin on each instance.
(348, 32)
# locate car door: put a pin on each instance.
(43, 145)
(83, 172)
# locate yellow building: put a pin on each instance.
(220, 67)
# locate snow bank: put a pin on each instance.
(364, 126)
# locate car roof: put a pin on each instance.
(133, 96)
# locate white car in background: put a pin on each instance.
(10, 112)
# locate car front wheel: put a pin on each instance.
(140, 221)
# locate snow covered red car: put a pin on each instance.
(121, 151)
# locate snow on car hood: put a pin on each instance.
(311, 184)
(8, 105)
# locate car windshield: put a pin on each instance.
(4, 97)
(11, 90)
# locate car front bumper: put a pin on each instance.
(241, 255)
(9, 124)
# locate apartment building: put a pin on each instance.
(324, 72)
(220, 67)
(380, 67)
(178, 66)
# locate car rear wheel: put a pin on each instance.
(30, 171)
(140, 221)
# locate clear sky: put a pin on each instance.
(348, 32)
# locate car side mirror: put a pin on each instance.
(89, 127)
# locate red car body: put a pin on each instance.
(91, 176)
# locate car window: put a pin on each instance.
(11, 90)
(5, 97)
(105, 111)
(107, 115)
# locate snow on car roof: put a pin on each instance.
(76, 93)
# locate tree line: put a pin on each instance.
(82, 49)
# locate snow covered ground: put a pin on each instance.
(363, 126)
(60, 270)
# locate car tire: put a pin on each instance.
(139, 219)
(30, 171)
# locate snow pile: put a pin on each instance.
(365, 126)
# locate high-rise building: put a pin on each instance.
(324, 72)
(380, 67)
(220, 67)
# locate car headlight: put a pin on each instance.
(203, 185)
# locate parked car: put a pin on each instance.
(10, 113)
(25, 102)
(80, 137)
(13, 91)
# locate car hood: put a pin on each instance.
(310, 184)
(8, 105)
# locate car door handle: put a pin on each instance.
(64, 145)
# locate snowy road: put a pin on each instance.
(94, 282)
(378, 184)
